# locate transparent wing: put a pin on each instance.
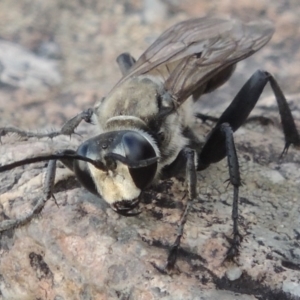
(190, 53)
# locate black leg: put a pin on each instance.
(125, 62)
(48, 193)
(237, 113)
(235, 180)
(291, 133)
(191, 180)
(223, 136)
(205, 117)
(67, 129)
(220, 142)
(261, 119)
(185, 158)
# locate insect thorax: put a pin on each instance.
(134, 105)
(135, 97)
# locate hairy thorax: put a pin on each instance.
(134, 105)
(135, 97)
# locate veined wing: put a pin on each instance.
(190, 53)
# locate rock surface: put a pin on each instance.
(80, 248)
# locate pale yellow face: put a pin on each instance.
(115, 185)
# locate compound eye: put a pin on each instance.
(138, 148)
(82, 171)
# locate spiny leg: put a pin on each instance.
(291, 133)
(186, 159)
(261, 119)
(222, 138)
(48, 193)
(219, 142)
(191, 180)
(246, 99)
(205, 117)
(125, 62)
(235, 180)
(238, 111)
(69, 158)
(67, 129)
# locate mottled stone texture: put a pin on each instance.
(81, 249)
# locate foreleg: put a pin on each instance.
(48, 193)
(67, 129)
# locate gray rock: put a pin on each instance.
(21, 68)
(291, 287)
(234, 273)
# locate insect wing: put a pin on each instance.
(190, 53)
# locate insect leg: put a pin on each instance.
(48, 193)
(237, 113)
(67, 129)
(235, 180)
(222, 136)
(204, 117)
(220, 141)
(264, 121)
(125, 62)
(186, 159)
(261, 119)
(191, 179)
(291, 133)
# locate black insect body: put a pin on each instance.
(144, 122)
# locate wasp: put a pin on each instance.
(145, 131)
